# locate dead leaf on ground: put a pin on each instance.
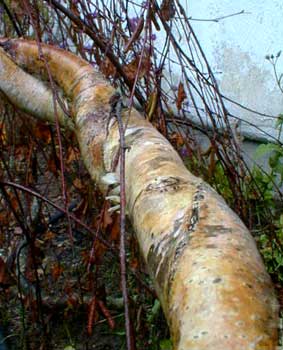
(51, 165)
(107, 219)
(42, 132)
(115, 229)
(78, 184)
(5, 278)
(56, 271)
(73, 154)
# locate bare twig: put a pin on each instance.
(55, 99)
(221, 18)
(99, 43)
(116, 106)
(63, 210)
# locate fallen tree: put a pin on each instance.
(207, 271)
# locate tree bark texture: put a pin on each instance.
(208, 274)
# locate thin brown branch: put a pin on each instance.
(100, 44)
(116, 113)
(55, 99)
(63, 210)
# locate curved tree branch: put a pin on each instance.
(15, 83)
(207, 271)
(100, 43)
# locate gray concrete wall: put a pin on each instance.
(236, 48)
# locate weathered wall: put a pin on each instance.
(236, 48)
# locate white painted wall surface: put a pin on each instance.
(236, 48)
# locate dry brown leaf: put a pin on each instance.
(51, 165)
(107, 68)
(78, 184)
(135, 67)
(107, 219)
(3, 134)
(56, 271)
(4, 218)
(115, 229)
(99, 251)
(5, 278)
(49, 235)
(134, 263)
(14, 202)
(177, 140)
(181, 96)
(42, 132)
(167, 9)
(72, 154)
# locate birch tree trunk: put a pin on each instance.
(207, 271)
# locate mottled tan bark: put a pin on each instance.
(207, 271)
(28, 93)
